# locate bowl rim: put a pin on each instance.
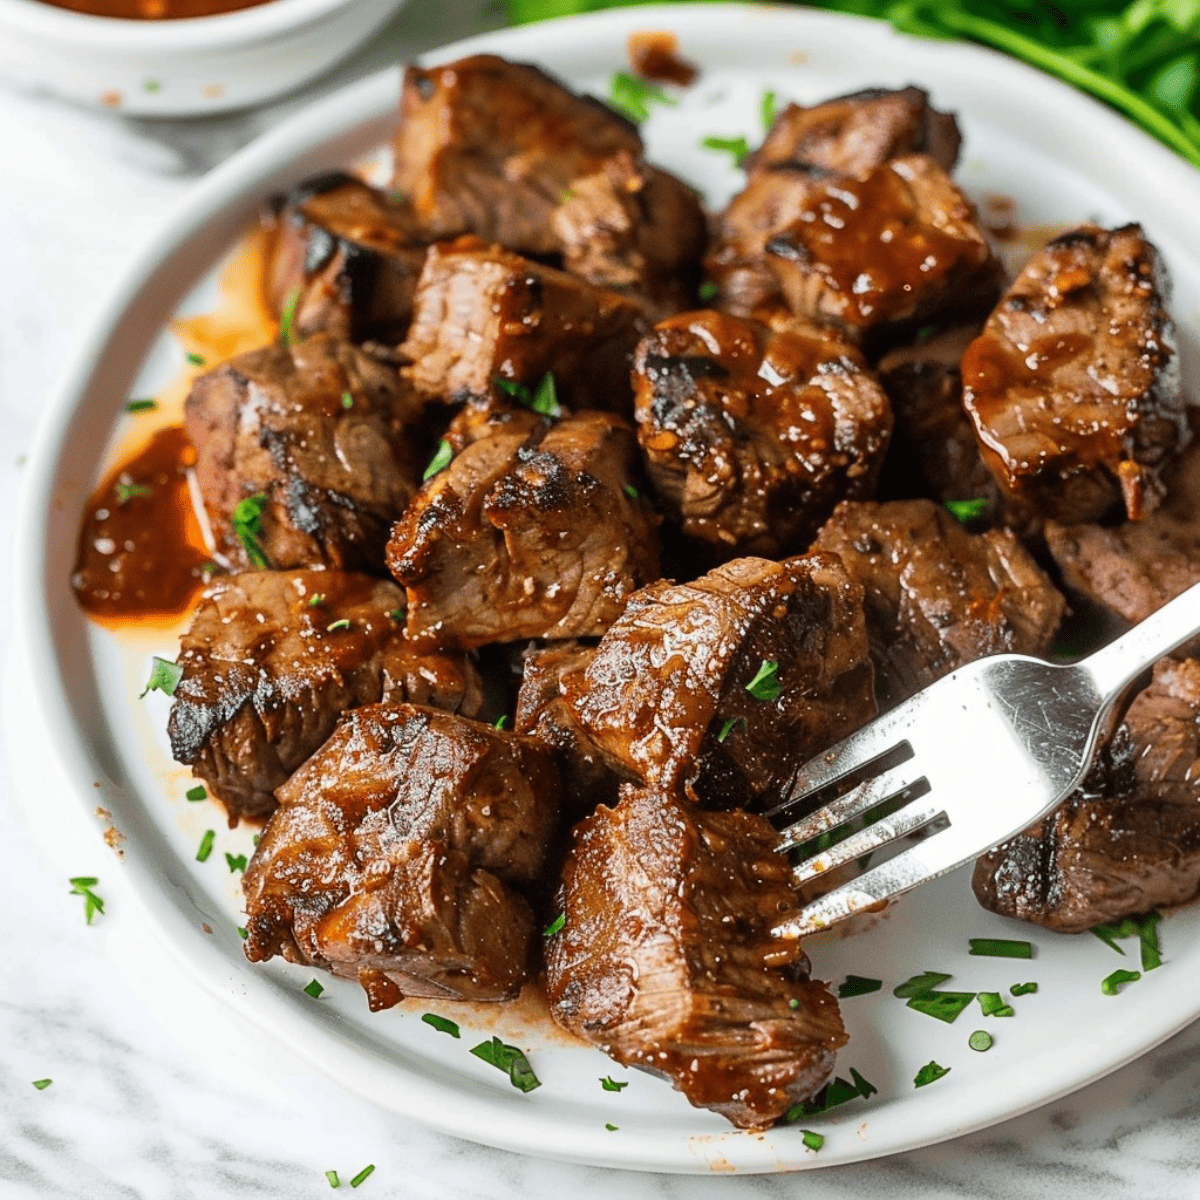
(196, 34)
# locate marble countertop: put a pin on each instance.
(158, 1090)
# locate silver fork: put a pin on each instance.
(986, 752)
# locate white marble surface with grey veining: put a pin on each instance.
(160, 1092)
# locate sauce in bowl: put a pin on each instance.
(153, 10)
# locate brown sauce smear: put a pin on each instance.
(653, 56)
(141, 553)
(153, 10)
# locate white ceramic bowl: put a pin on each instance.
(185, 67)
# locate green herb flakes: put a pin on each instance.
(362, 1175)
(1144, 928)
(1110, 985)
(338, 626)
(555, 925)
(944, 1006)
(313, 988)
(919, 985)
(442, 1024)
(857, 985)
(730, 726)
(206, 845)
(347, 400)
(631, 491)
(542, 400)
(440, 461)
(42, 1084)
(196, 360)
(164, 676)
(247, 525)
(1000, 948)
(127, 490)
(609, 1084)
(199, 792)
(764, 685)
(980, 1040)
(835, 1093)
(243, 932)
(736, 147)
(235, 862)
(993, 1005)
(288, 320)
(631, 95)
(81, 885)
(709, 290)
(768, 110)
(146, 404)
(1023, 989)
(611, 1127)
(501, 721)
(510, 1059)
(928, 1073)
(812, 1140)
(316, 600)
(334, 1181)
(966, 510)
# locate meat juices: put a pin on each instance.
(665, 696)
(270, 661)
(533, 531)
(1129, 839)
(753, 435)
(1074, 384)
(666, 960)
(345, 258)
(937, 597)
(320, 429)
(399, 856)
(482, 313)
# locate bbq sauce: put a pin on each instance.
(153, 10)
(141, 553)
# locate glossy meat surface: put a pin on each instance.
(666, 961)
(753, 435)
(321, 430)
(268, 667)
(1073, 386)
(399, 856)
(665, 696)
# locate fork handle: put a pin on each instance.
(1120, 662)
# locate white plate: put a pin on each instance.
(1063, 158)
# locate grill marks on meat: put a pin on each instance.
(336, 475)
(265, 677)
(400, 854)
(842, 138)
(752, 435)
(885, 252)
(529, 532)
(1129, 839)
(353, 255)
(671, 674)
(936, 596)
(666, 959)
(1074, 384)
(483, 313)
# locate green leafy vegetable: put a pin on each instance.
(440, 461)
(965, 510)
(737, 147)
(164, 676)
(313, 988)
(81, 885)
(206, 845)
(1110, 985)
(42, 1084)
(944, 1006)
(729, 727)
(247, 525)
(928, 1073)
(555, 925)
(442, 1024)
(858, 985)
(1145, 929)
(764, 685)
(632, 95)
(543, 399)
(362, 1175)
(837, 1092)
(139, 406)
(235, 862)
(812, 1140)
(197, 793)
(1023, 989)
(1001, 948)
(511, 1059)
(993, 1005)
(919, 985)
(980, 1040)
(609, 1084)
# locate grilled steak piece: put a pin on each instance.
(543, 713)
(885, 252)
(483, 314)
(934, 452)
(666, 961)
(1134, 568)
(635, 229)
(753, 435)
(353, 255)
(1129, 839)
(319, 430)
(665, 697)
(1073, 385)
(400, 853)
(534, 531)
(845, 137)
(491, 147)
(936, 596)
(268, 665)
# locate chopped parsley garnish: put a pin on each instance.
(764, 685)
(127, 491)
(611, 1127)
(164, 676)
(555, 925)
(510, 1059)
(316, 599)
(1001, 948)
(729, 727)
(543, 399)
(812, 1140)
(347, 400)
(235, 862)
(945, 1006)
(838, 1091)
(858, 985)
(993, 1005)
(146, 404)
(206, 845)
(243, 932)
(197, 360)
(442, 1024)
(768, 110)
(42, 1084)
(313, 988)
(151, 85)
(928, 1073)
(1023, 989)
(288, 320)
(247, 525)
(440, 461)
(1145, 929)
(919, 985)
(199, 792)
(334, 1181)
(396, 614)
(966, 510)
(82, 885)
(1110, 985)
(980, 1040)
(362, 1175)
(632, 95)
(609, 1084)
(631, 491)
(737, 147)
(709, 290)
(338, 626)
(501, 721)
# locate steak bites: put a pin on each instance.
(400, 853)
